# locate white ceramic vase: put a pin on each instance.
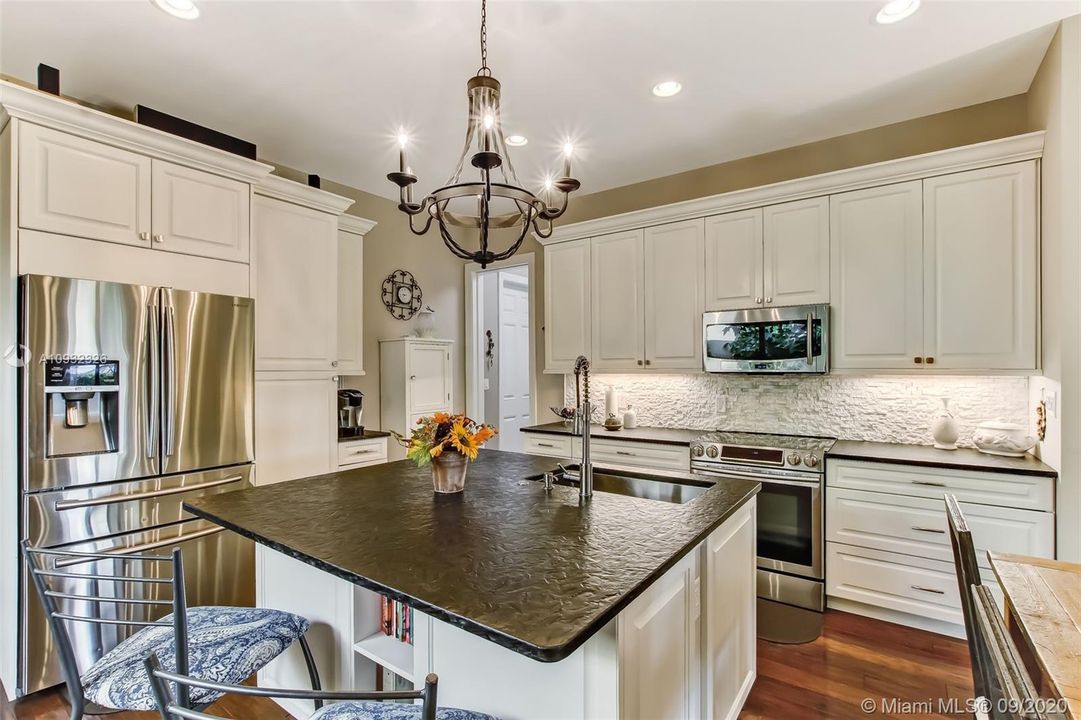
(944, 428)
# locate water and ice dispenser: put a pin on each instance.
(82, 402)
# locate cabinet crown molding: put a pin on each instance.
(356, 225)
(417, 339)
(41, 108)
(940, 162)
(280, 188)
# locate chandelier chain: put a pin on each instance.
(484, 69)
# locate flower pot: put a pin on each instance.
(448, 472)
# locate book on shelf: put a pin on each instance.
(397, 619)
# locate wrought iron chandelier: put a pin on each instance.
(497, 200)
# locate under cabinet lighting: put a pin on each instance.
(183, 9)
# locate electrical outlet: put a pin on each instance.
(1050, 401)
(722, 404)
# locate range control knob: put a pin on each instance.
(712, 451)
(810, 460)
(794, 458)
(697, 450)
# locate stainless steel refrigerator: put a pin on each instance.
(135, 399)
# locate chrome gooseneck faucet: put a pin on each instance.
(585, 411)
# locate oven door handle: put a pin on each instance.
(118, 498)
(813, 484)
(143, 547)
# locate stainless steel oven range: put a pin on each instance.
(137, 399)
(791, 468)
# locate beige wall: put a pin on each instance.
(1054, 101)
(977, 123)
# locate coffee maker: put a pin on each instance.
(350, 413)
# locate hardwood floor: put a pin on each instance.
(856, 658)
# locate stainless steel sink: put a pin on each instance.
(620, 483)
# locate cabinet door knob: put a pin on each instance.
(917, 360)
(639, 362)
(144, 236)
(648, 362)
(769, 300)
(334, 363)
(758, 300)
(930, 361)
(412, 377)
(159, 238)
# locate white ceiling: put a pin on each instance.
(322, 86)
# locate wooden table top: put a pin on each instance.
(1045, 600)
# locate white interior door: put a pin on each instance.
(513, 358)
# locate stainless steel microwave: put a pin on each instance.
(791, 339)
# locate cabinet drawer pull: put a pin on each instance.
(624, 452)
(540, 444)
(936, 531)
(928, 483)
(362, 452)
(927, 590)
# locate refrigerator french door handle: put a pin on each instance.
(169, 366)
(143, 547)
(153, 385)
(62, 505)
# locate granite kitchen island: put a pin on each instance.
(529, 602)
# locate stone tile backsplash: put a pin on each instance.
(882, 408)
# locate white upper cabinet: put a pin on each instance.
(197, 213)
(877, 277)
(295, 284)
(351, 230)
(429, 370)
(72, 186)
(980, 268)
(567, 328)
(674, 295)
(796, 250)
(618, 301)
(733, 266)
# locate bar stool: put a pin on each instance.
(358, 705)
(223, 644)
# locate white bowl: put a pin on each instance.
(998, 437)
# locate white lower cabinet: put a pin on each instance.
(659, 653)
(361, 453)
(729, 594)
(888, 552)
(632, 453)
(295, 426)
(560, 446)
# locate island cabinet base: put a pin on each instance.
(683, 649)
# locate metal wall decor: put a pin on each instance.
(475, 207)
(401, 294)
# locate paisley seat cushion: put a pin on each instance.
(225, 644)
(390, 711)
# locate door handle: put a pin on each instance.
(140, 549)
(169, 358)
(927, 590)
(153, 388)
(936, 531)
(810, 339)
(62, 505)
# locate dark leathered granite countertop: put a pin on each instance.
(960, 459)
(366, 435)
(528, 569)
(664, 436)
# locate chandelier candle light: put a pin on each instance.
(489, 203)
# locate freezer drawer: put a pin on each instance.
(60, 517)
(219, 570)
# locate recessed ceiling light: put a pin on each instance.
(668, 88)
(183, 9)
(517, 140)
(896, 11)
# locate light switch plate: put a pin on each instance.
(722, 404)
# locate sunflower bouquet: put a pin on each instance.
(443, 432)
